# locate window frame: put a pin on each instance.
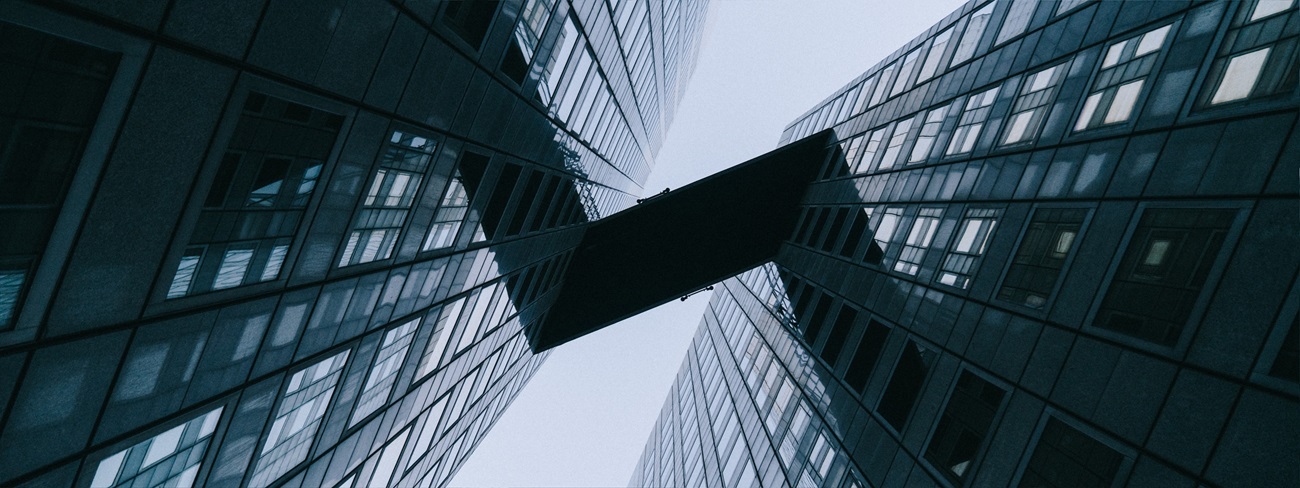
(1097, 114)
(1050, 413)
(1070, 256)
(36, 293)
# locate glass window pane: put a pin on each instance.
(1240, 76)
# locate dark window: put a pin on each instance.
(53, 90)
(525, 203)
(513, 65)
(868, 352)
(1287, 363)
(817, 320)
(820, 224)
(470, 19)
(259, 195)
(837, 225)
(965, 422)
(501, 193)
(839, 333)
(1161, 274)
(805, 217)
(856, 231)
(1067, 458)
(905, 385)
(1038, 262)
(546, 204)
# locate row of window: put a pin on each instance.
(173, 457)
(261, 191)
(1062, 456)
(1166, 262)
(1256, 60)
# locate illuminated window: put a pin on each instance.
(1124, 71)
(934, 57)
(976, 113)
(389, 198)
(887, 226)
(1017, 19)
(918, 241)
(1258, 56)
(383, 372)
(894, 151)
(1030, 109)
(929, 132)
(171, 458)
(973, 236)
(302, 410)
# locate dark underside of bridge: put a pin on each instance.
(682, 241)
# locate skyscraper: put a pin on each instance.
(1053, 246)
(296, 243)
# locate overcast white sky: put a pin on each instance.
(584, 418)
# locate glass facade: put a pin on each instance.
(275, 244)
(1086, 212)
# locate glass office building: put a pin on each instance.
(296, 243)
(1054, 246)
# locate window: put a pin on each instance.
(1160, 276)
(965, 422)
(839, 333)
(1040, 258)
(383, 372)
(171, 458)
(904, 388)
(1030, 109)
(1068, 5)
(893, 152)
(934, 57)
(1286, 364)
(882, 86)
(1123, 73)
(866, 355)
(532, 21)
(978, 108)
(470, 20)
(918, 240)
(432, 356)
(387, 462)
(454, 206)
(1065, 457)
(929, 132)
(1017, 19)
(555, 64)
(973, 237)
(870, 147)
(53, 89)
(302, 408)
(884, 233)
(259, 196)
(905, 72)
(970, 38)
(1258, 55)
(389, 199)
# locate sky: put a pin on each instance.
(584, 418)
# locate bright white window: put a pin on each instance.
(234, 265)
(1266, 8)
(1240, 76)
(1122, 106)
